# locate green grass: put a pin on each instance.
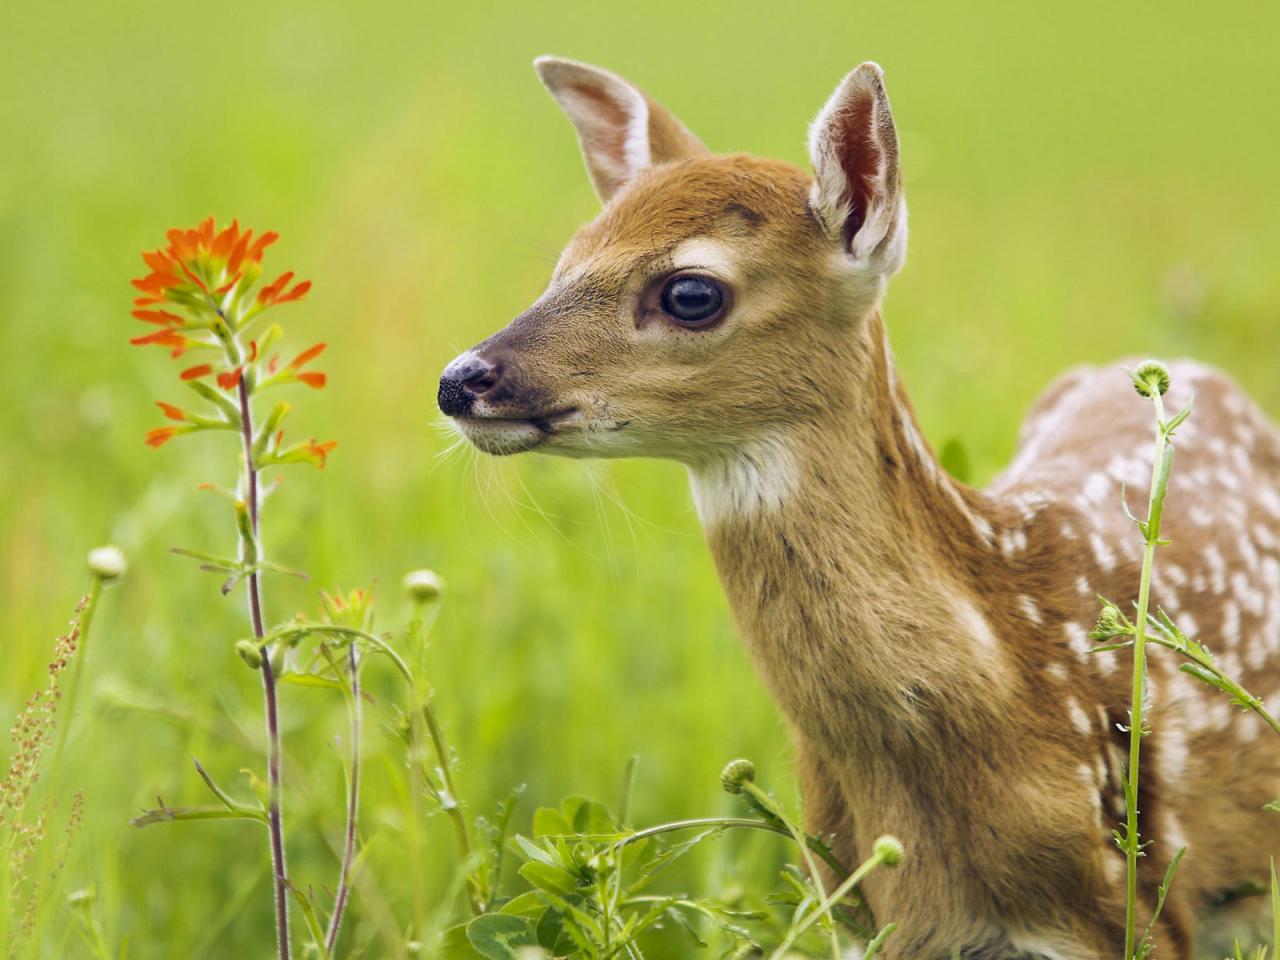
(1085, 181)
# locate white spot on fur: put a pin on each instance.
(975, 625)
(1082, 587)
(1096, 487)
(1105, 556)
(1175, 838)
(1269, 500)
(1080, 720)
(1173, 754)
(1263, 536)
(756, 479)
(1077, 639)
(1217, 568)
(1029, 608)
(1058, 672)
(1231, 624)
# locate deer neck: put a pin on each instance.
(848, 556)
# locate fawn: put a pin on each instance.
(926, 641)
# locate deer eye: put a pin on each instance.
(692, 300)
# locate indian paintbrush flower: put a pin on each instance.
(200, 295)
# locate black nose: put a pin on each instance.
(463, 381)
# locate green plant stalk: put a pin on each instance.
(823, 908)
(422, 714)
(67, 705)
(249, 541)
(82, 648)
(768, 803)
(351, 691)
(730, 822)
(1151, 539)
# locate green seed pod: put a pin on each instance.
(736, 773)
(1151, 378)
(889, 850)
(423, 586)
(107, 563)
(250, 653)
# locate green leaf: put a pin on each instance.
(550, 822)
(296, 679)
(532, 851)
(550, 878)
(498, 935)
(204, 812)
(588, 816)
(454, 945)
(211, 560)
(527, 904)
(313, 922)
(878, 940)
(552, 935)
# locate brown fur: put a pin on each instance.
(925, 640)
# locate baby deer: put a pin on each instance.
(927, 641)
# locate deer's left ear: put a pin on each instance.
(857, 191)
(621, 131)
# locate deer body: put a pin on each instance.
(927, 642)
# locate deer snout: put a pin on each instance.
(465, 380)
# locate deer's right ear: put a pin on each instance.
(857, 191)
(621, 131)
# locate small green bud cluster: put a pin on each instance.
(1151, 379)
(889, 850)
(737, 773)
(250, 653)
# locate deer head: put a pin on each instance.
(713, 304)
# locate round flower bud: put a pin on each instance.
(736, 773)
(889, 850)
(250, 653)
(423, 586)
(1151, 378)
(1109, 620)
(107, 563)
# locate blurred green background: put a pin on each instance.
(1086, 181)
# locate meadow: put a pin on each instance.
(1086, 182)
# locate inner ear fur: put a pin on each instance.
(857, 190)
(621, 131)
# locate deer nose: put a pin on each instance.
(464, 381)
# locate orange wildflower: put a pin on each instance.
(231, 378)
(196, 372)
(320, 451)
(170, 411)
(160, 436)
(306, 356)
(313, 379)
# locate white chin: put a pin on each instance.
(499, 437)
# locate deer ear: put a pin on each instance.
(621, 131)
(857, 191)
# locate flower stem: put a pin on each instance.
(252, 552)
(1151, 539)
(825, 905)
(353, 802)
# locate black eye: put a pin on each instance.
(692, 300)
